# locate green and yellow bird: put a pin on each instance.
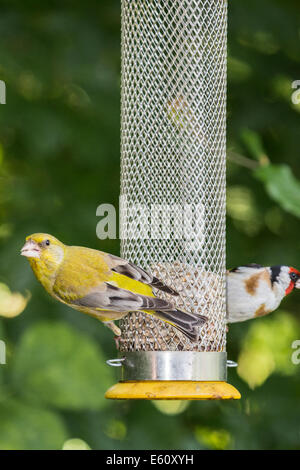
(102, 285)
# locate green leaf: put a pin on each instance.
(254, 144)
(26, 427)
(267, 349)
(169, 407)
(76, 444)
(282, 186)
(57, 365)
(2, 350)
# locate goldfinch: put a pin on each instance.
(102, 285)
(254, 290)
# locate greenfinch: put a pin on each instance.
(102, 285)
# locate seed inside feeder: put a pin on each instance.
(200, 292)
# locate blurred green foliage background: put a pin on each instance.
(59, 159)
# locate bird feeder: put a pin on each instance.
(172, 205)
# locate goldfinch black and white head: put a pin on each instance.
(254, 290)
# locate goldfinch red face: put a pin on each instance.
(285, 278)
(294, 280)
(255, 290)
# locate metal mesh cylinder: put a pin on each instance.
(173, 153)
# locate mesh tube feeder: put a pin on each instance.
(172, 205)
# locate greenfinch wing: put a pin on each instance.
(126, 268)
(117, 299)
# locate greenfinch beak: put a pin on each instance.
(31, 249)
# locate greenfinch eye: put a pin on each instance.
(47, 242)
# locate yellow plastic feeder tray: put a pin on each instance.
(173, 375)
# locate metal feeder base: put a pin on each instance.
(163, 375)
